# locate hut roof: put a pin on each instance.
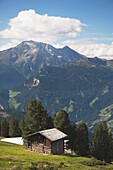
(51, 134)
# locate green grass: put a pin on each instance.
(15, 157)
(70, 108)
(106, 110)
(12, 101)
(105, 90)
(110, 124)
(13, 93)
(93, 101)
(105, 115)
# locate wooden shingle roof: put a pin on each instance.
(51, 134)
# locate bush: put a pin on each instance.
(61, 165)
(45, 166)
(93, 162)
(72, 154)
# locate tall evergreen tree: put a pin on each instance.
(110, 157)
(0, 128)
(14, 129)
(49, 122)
(24, 130)
(36, 116)
(82, 139)
(62, 122)
(4, 128)
(72, 136)
(101, 143)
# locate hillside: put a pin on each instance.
(18, 157)
(9, 77)
(29, 57)
(60, 78)
(83, 89)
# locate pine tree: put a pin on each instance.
(110, 155)
(0, 128)
(36, 117)
(49, 122)
(82, 139)
(62, 122)
(4, 128)
(14, 129)
(24, 130)
(101, 143)
(72, 136)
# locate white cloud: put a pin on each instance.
(30, 25)
(91, 48)
(59, 31)
(88, 48)
(10, 44)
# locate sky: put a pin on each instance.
(84, 25)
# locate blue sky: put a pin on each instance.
(84, 25)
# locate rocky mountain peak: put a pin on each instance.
(29, 56)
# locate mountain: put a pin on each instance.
(29, 57)
(9, 77)
(83, 89)
(61, 79)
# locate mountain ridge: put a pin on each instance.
(29, 56)
(61, 79)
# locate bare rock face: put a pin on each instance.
(29, 56)
(60, 78)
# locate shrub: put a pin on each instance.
(93, 162)
(45, 166)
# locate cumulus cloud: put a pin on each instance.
(58, 31)
(30, 25)
(91, 48)
(10, 44)
(85, 47)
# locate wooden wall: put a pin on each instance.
(58, 147)
(41, 144)
(41, 148)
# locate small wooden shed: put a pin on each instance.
(49, 141)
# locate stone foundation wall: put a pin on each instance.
(41, 148)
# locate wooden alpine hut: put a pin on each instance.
(50, 141)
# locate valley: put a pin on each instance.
(82, 86)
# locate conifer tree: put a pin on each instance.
(62, 122)
(36, 116)
(0, 128)
(82, 139)
(14, 129)
(101, 143)
(110, 155)
(24, 130)
(4, 128)
(49, 122)
(72, 136)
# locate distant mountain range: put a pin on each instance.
(29, 57)
(60, 78)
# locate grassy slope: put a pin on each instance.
(12, 101)
(18, 157)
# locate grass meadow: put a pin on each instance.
(15, 157)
